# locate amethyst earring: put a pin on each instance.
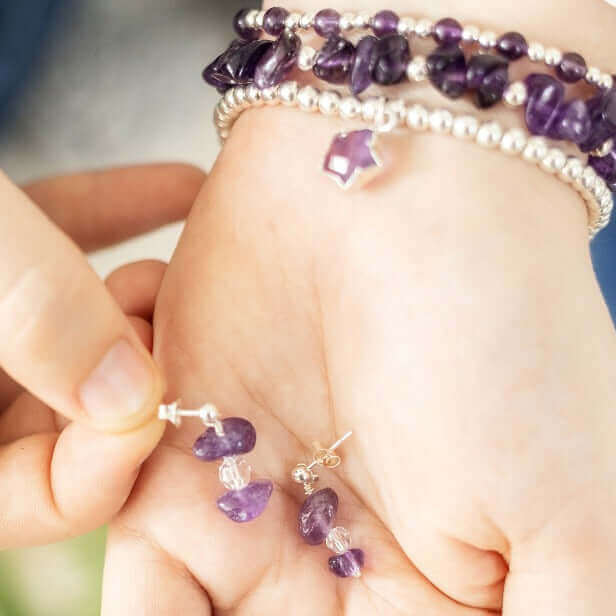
(226, 439)
(318, 514)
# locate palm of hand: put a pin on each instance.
(267, 314)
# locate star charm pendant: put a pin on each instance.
(352, 158)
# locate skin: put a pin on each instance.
(448, 315)
(60, 474)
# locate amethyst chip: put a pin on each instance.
(239, 437)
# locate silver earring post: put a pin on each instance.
(207, 413)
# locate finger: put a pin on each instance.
(142, 580)
(135, 287)
(100, 208)
(56, 486)
(26, 416)
(64, 338)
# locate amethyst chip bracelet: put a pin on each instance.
(226, 439)
(352, 157)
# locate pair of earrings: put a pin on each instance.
(227, 439)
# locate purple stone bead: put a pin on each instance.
(447, 31)
(512, 45)
(385, 22)
(447, 70)
(334, 60)
(572, 67)
(317, 515)
(248, 503)
(392, 56)
(363, 64)
(601, 128)
(545, 96)
(236, 66)
(605, 166)
(278, 61)
(572, 122)
(243, 31)
(274, 20)
(348, 564)
(349, 155)
(239, 437)
(327, 23)
(489, 76)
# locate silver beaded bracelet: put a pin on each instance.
(353, 157)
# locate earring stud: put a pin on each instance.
(226, 439)
(318, 513)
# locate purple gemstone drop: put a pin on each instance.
(385, 22)
(278, 61)
(274, 20)
(327, 23)
(447, 31)
(317, 515)
(545, 96)
(512, 45)
(447, 70)
(350, 154)
(489, 76)
(601, 128)
(605, 166)
(348, 564)
(239, 437)
(243, 31)
(334, 60)
(363, 64)
(248, 503)
(391, 57)
(572, 68)
(236, 66)
(572, 122)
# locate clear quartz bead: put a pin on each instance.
(234, 473)
(338, 540)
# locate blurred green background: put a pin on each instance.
(109, 82)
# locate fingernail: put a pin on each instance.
(119, 387)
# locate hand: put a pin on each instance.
(69, 352)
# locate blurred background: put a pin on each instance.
(90, 83)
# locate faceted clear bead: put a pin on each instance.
(338, 540)
(234, 473)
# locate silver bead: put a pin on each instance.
(370, 107)
(554, 160)
(536, 52)
(536, 149)
(489, 134)
(346, 21)
(417, 70)
(593, 75)
(292, 21)
(553, 56)
(308, 98)
(516, 94)
(253, 94)
(307, 56)
(488, 39)
(306, 21)
(301, 474)
(441, 121)
(223, 134)
(350, 108)
(361, 21)
(572, 169)
(470, 34)
(397, 108)
(589, 178)
(239, 93)
(329, 103)
(606, 82)
(406, 26)
(604, 149)
(465, 127)
(417, 117)
(424, 28)
(250, 20)
(270, 95)
(287, 92)
(229, 98)
(259, 19)
(513, 141)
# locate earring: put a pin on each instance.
(318, 513)
(226, 439)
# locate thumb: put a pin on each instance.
(63, 336)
